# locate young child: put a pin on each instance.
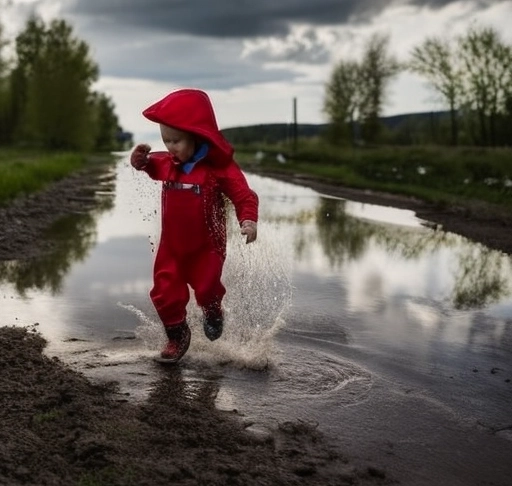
(197, 171)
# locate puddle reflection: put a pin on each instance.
(75, 236)
(477, 275)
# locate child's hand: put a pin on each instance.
(250, 229)
(139, 157)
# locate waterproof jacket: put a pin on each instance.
(193, 204)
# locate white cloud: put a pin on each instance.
(303, 44)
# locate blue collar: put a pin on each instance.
(198, 155)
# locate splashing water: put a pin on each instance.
(258, 282)
(149, 330)
(258, 279)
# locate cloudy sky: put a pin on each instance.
(252, 56)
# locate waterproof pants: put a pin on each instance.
(171, 279)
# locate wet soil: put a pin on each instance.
(59, 428)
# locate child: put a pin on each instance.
(196, 172)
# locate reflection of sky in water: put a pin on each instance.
(400, 279)
(382, 214)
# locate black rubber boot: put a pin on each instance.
(213, 327)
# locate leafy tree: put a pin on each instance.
(5, 122)
(55, 73)
(488, 79)
(105, 121)
(28, 44)
(356, 91)
(438, 62)
(4, 63)
(342, 100)
(46, 98)
(377, 70)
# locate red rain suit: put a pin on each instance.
(192, 246)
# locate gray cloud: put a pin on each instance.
(218, 44)
(219, 18)
(238, 18)
(183, 60)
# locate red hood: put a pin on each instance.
(190, 110)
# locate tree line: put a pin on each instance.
(471, 74)
(47, 98)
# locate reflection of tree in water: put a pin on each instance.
(483, 275)
(303, 239)
(484, 329)
(73, 236)
(302, 218)
(412, 243)
(342, 236)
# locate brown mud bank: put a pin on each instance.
(58, 428)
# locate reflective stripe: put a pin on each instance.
(180, 186)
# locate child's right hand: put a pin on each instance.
(139, 157)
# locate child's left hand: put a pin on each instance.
(250, 229)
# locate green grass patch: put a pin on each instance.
(435, 174)
(24, 172)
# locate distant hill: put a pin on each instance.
(271, 133)
(397, 121)
(277, 132)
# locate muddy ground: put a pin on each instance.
(58, 428)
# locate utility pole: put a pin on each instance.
(295, 127)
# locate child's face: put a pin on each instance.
(178, 143)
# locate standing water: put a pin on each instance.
(391, 336)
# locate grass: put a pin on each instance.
(435, 174)
(24, 172)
